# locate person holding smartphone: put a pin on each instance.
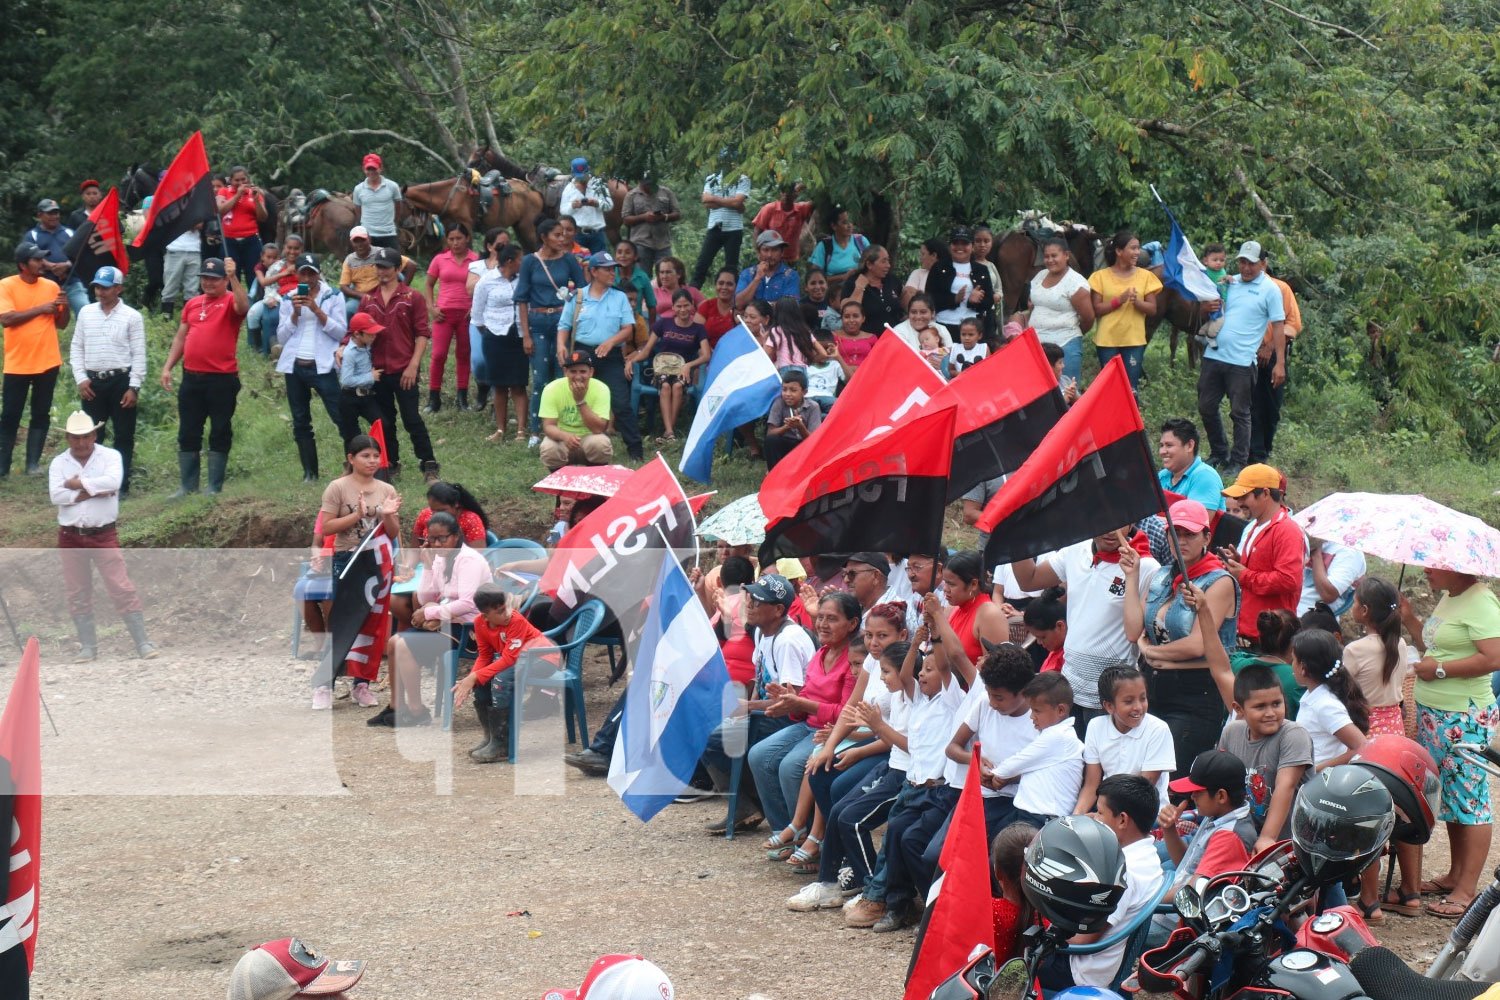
(242, 206)
(310, 328)
(1272, 551)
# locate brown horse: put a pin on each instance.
(453, 201)
(323, 226)
(1016, 257)
(1183, 316)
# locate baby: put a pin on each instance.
(932, 347)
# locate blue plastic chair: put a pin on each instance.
(309, 587)
(464, 647)
(533, 671)
(736, 773)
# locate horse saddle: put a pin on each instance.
(1039, 229)
(316, 197)
(295, 207)
(489, 186)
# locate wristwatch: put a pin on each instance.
(1439, 672)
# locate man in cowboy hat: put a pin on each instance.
(84, 483)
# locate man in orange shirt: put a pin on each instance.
(1265, 398)
(32, 309)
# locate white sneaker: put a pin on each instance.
(361, 696)
(533, 441)
(816, 896)
(322, 697)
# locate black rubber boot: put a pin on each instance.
(88, 638)
(484, 723)
(135, 622)
(7, 451)
(434, 401)
(498, 748)
(218, 461)
(308, 452)
(36, 442)
(168, 309)
(187, 469)
(463, 400)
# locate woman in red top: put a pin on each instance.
(501, 635)
(449, 301)
(243, 208)
(972, 618)
(717, 314)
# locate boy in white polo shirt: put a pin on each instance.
(998, 716)
(1050, 768)
(1127, 739)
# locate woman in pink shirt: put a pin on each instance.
(448, 299)
(445, 596)
(779, 762)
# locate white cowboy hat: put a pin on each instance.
(80, 423)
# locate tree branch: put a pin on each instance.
(1265, 211)
(319, 140)
(399, 64)
(1337, 29)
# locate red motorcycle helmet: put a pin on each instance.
(1410, 775)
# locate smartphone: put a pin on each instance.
(302, 289)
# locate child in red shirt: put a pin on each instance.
(1012, 913)
(501, 635)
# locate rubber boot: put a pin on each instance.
(434, 401)
(187, 469)
(7, 450)
(88, 638)
(463, 400)
(36, 442)
(308, 452)
(218, 461)
(498, 748)
(135, 622)
(482, 713)
(483, 397)
(431, 471)
(168, 309)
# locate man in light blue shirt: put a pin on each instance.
(1252, 302)
(1182, 471)
(724, 195)
(599, 317)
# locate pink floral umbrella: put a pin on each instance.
(1409, 529)
(585, 480)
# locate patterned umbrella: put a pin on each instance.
(1411, 530)
(742, 522)
(585, 480)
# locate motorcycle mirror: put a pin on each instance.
(1189, 902)
(1011, 983)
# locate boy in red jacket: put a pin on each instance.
(501, 635)
(1272, 551)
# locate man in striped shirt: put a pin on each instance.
(108, 357)
(724, 195)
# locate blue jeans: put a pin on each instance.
(1073, 358)
(910, 830)
(499, 692)
(476, 358)
(1133, 356)
(829, 787)
(245, 252)
(611, 371)
(999, 812)
(594, 242)
(851, 821)
(78, 296)
(544, 367)
(743, 734)
(777, 762)
(301, 382)
(825, 403)
(263, 321)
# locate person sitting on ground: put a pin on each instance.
(501, 635)
(452, 572)
(971, 348)
(792, 419)
(671, 357)
(277, 277)
(358, 277)
(575, 412)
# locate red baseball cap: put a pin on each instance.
(373, 160)
(619, 977)
(364, 323)
(280, 970)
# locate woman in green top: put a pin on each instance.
(1461, 643)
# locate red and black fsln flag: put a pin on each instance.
(99, 242)
(360, 617)
(183, 199)
(1091, 474)
(886, 494)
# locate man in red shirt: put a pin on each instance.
(1272, 551)
(243, 208)
(500, 635)
(206, 341)
(397, 354)
(786, 217)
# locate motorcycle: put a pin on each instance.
(1472, 951)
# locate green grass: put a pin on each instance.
(1328, 442)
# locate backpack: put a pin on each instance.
(860, 246)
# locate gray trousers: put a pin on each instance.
(179, 275)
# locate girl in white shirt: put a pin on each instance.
(1333, 711)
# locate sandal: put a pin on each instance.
(1406, 904)
(1446, 909)
(496, 438)
(781, 838)
(1372, 913)
(802, 857)
(1432, 887)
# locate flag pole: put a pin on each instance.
(358, 549)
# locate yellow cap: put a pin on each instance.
(1254, 477)
(791, 569)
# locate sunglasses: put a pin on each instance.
(853, 574)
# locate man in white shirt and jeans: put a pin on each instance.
(311, 327)
(108, 358)
(586, 198)
(84, 483)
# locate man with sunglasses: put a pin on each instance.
(867, 576)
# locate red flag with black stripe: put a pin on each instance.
(1005, 410)
(183, 199)
(885, 494)
(98, 242)
(1092, 473)
(21, 821)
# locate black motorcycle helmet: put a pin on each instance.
(1342, 819)
(1074, 874)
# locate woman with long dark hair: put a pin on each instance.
(871, 284)
(1124, 295)
(789, 342)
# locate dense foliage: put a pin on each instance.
(1356, 139)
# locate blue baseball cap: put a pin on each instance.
(773, 588)
(580, 166)
(108, 277)
(603, 259)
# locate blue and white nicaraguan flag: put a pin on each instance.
(1182, 269)
(741, 384)
(677, 697)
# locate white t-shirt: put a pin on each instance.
(1345, 567)
(189, 242)
(785, 655)
(1052, 313)
(1147, 747)
(824, 379)
(929, 727)
(1143, 877)
(1051, 771)
(963, 285)
(1005, 582)
(1322, 714)
(895, 708)
(1096, 617)
(917, 279)
(962, 357)
(1000, 738)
